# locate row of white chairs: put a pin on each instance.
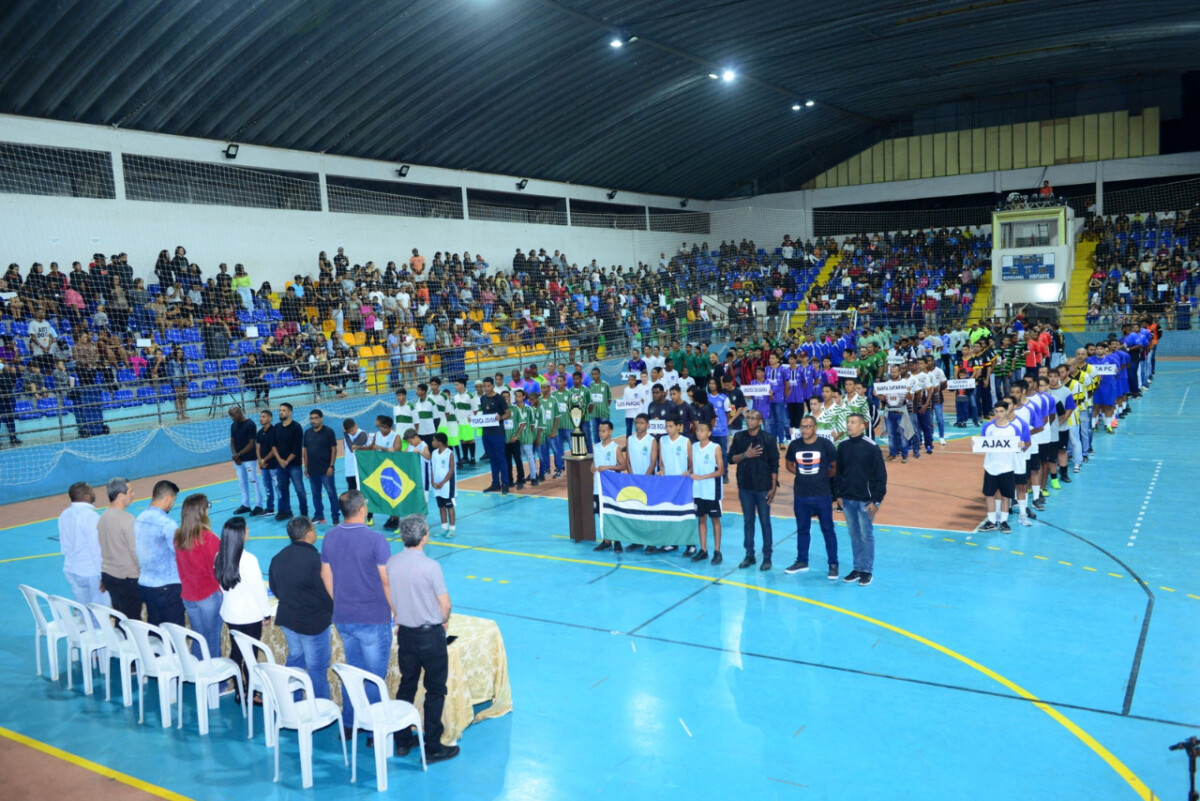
(97, 633)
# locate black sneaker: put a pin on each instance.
(766, 565)
(637, 546)
(749, 561)
(668, 548)
(370, 519)
(833, 572)
(652, 549)
(1040, 505)
(392, 523)
(441, 753)
(617, 547)
(1005, 528)
(603, 546)
(1030, 515)
(256, 511)
(503, 491)
(268, 512)
(493, 488)
(717, 558)
(241, 510)
(988, 526)
(903, 460)
(520, 485)
(864, 579)
(558, 474)
(1063, 477)
(851, 577)
(404, 744)
(689, 551)
(797, 567)
(534, 483)
(282, 516)
(700, 556)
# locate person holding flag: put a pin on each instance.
(708, 468)
(608, 455)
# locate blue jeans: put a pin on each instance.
(311, 653)
(862, 534)
(822, 507)
(628, 427)
(562, 447)
(493, 446)
(544, 458)
(777, 421)
(939, 414)
(897, 444)
(247, 473)
(291, 476)
(316, 483)
(86, 589)
(267, 480)
(368, 646)
(205, 619)
(755, 503)
(587, 427)
(924, 426)
(527, 454)
(962, 409)
(163, 604)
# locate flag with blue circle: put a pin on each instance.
(650, 510)
(393, 483)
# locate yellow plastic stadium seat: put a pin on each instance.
(364, 352)
(311, 312)
(541, 349)
(476, 315)
(274, 298)
(564, 344)
(488, 328)
(347, 338)
(328, 326)
(495, 339)
(360, 337)
(378, 350)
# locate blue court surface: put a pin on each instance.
(1056, 662)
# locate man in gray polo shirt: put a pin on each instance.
(422, 609)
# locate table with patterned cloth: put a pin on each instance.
(478, 672)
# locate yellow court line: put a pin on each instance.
(94, 767)
(1061, 562)
(1111, 759)
(1092, 569)
(993, 548)
(35, 556)
(1115, 575)
(1167, 589)
(1043, 558)
(1017, 553)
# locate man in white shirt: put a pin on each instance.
(639, 392)
(41, 339)
(79, 538)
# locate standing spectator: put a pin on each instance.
(756, 453)
(242, 445)
(320, 452)
(158, 577)
(264, 451)
(811, 460)
(305, 608)
(80, 542)
(118, 550)
(493, 436)
(354, 569)
(288, 451)
(861, 481)
(8, 400)
(195, 554)
(244, 605)
(422, 604)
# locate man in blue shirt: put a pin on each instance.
(158, 579)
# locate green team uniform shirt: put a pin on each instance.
(526, 415)
(599, 397)
(546, 420)
(561, 402)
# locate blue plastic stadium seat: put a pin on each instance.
(25, 411)
(261, 316)
(174, 336)
(126, 376)
(146, 394)
(231, 383)
(194, 390)
(275, 315)
(194, 352)
(245, 317)
(125, 397)
(166, 392)
(48, 406)
(193, 368)
(191, 335)
(208, 386)
(106, 400)
(228, 365)
(210, 366)
(20, 328)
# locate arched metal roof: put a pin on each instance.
(532, 87)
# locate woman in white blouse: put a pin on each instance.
(244, 605)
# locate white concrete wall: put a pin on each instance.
(277, 244)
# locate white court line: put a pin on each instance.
(1183, 401)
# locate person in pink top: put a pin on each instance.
(196, 549)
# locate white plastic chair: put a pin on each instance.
(120, 647)
(383, 719)
(206, 673)
(305, 716)
(83, 636)
(51, 629)
(159, 663)
(251, 648)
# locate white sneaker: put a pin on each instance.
(1024, 521)
(942, 441)
(1076, 470)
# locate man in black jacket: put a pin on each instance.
(861, 483)
(756, 453)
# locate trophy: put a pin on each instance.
(578, 443)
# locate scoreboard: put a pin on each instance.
(1029, 267)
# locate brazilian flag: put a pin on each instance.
(393, 483)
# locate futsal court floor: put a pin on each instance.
(1057, 662)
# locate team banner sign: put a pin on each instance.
(650, 510)
(393, 484)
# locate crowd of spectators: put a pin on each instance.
(1144, 265)
(906, 279)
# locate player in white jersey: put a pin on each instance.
(675, 458)
(1030, 417)
(641, 453)
(386, 440)
(634, 392)
(708, 467)
(464, 405)
(1000, 468)
(442, 477)
(416, 444)
(606, 455)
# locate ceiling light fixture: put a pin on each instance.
(795, 107)
(403, 171)
(713, 75)
(231, 151)
(728, 75)
(521, 184)
(810, 103)
(617, 43)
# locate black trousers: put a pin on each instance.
(424, 648)
(163, 604)
(252, 629)
(512, 455)
(126, 598)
